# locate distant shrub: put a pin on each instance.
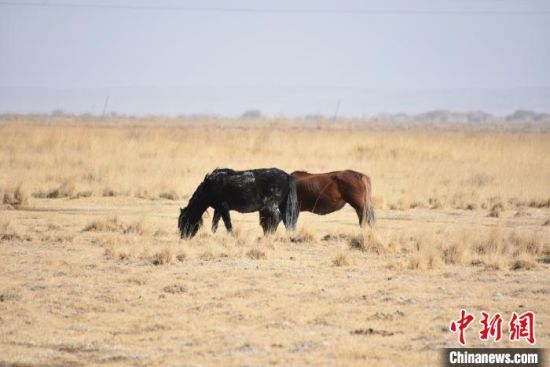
(15, 196)
(252, 114)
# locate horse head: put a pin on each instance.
(187, 225)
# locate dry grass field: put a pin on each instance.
(93, 272)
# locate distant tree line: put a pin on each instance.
(435, 116)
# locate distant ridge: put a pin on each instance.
(434, 116)
(466, 117)
(433, 104)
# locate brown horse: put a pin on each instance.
(324, 193)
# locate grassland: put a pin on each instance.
(93, 271)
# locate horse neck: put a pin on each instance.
(198, 203)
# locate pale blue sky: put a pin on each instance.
(283, 57)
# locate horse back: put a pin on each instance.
(248, 191)
(324, 193)
(318, 193)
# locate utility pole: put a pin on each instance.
(337, 109)
(105, 106)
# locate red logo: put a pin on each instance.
(491, 327)
(523, 327)
(461, 325)
(520, 326)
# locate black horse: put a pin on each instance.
(270, 191)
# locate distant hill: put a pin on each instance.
(523, 116)
(353, 102)
(443, 117)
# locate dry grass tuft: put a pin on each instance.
(113, 224)
(228, 240)
(137, 227)
(369, 241)
(401, 204)
(119, 253)
(304, 235)
(521, 212)
(181, 256)
(15, 196)
(491, 251)
(144, 194)
(207, 255)
(256, 254)
(417, 204)
(163, 257)
(517, 250)
(119, 248)
(337, 237)
(523, 262)
(525, 244)
(427, 258)
(480, 180)
(341, 259)
(426, 255)
(170, 195)
(236, 234)
(60, 238)
(109, 253)
(435, 203)
(116, 251)
(4, 226)
(175, 289)
(455, 253)
(160, 233)
(53, 227)
(125, 248)
(397, 243)
(66, 189)
(496, 210)
(541, 203)
(108, 192)
(492, 245)
(8, 233)
(82, 194)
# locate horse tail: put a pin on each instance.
(291, 211)
(368, 209)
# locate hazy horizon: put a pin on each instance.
(282, 101)
(282, 58)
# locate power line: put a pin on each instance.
(271, 10)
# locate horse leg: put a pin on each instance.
(356, 192)
(354, 195)
(264, 219)
(364, 212)
(275, 220)
(361, 216)
(271, 219)
(224, 212)
(215, 220)
(360, 209)
(282, 211)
